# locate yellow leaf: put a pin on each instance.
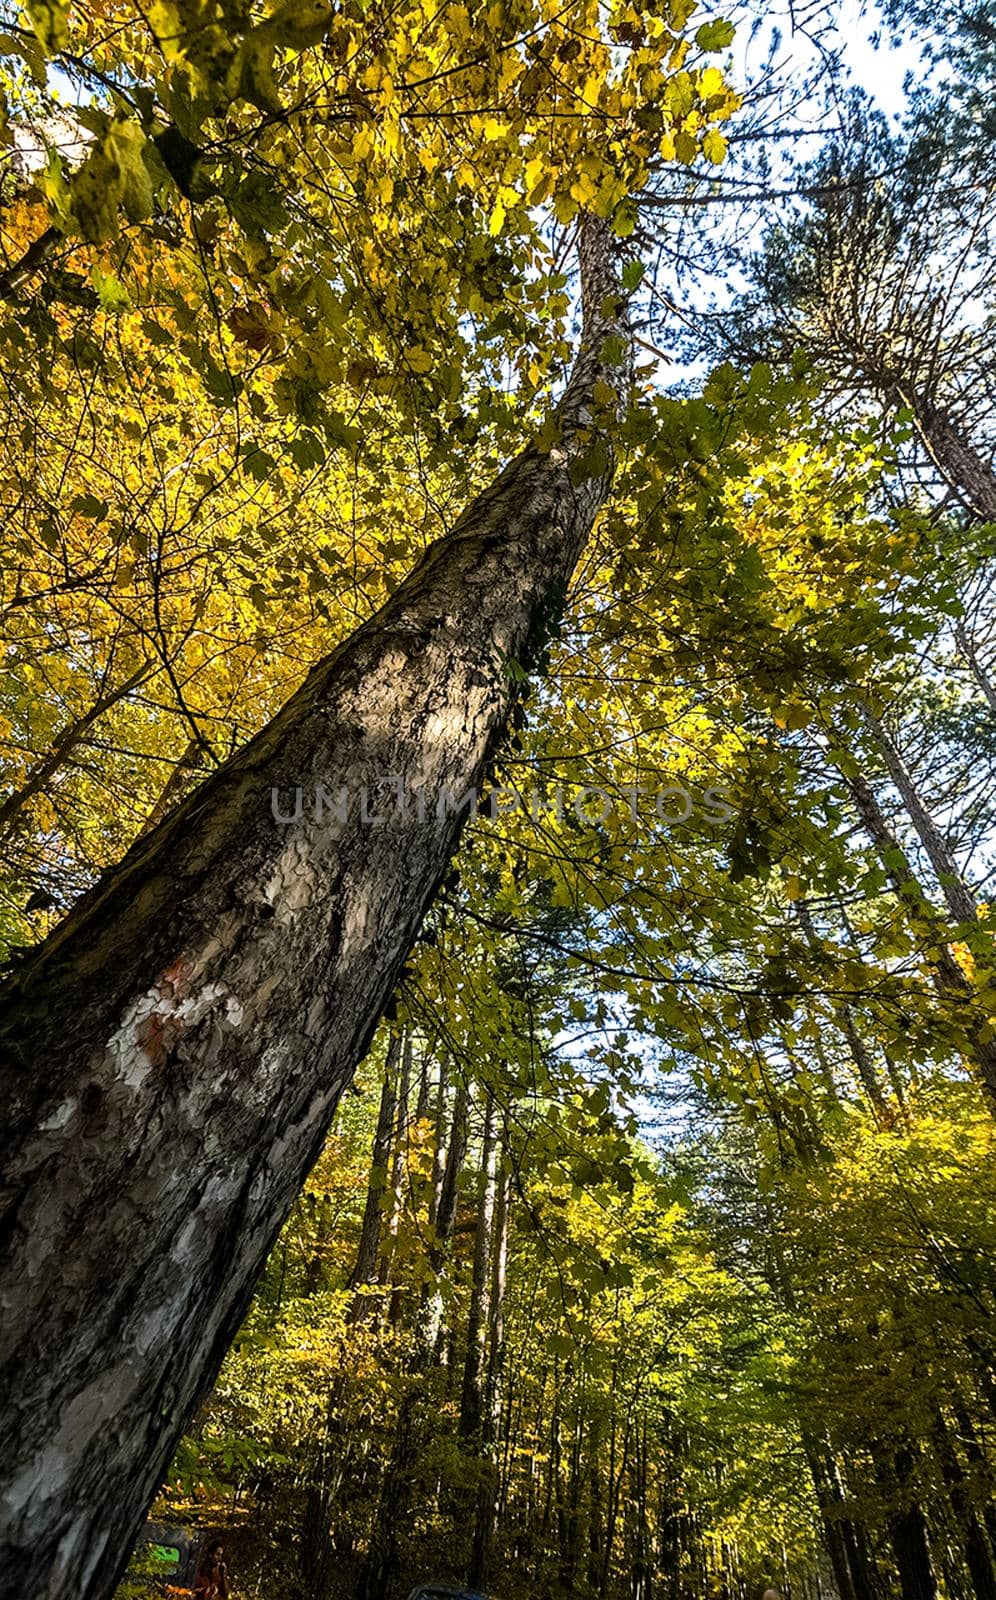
(714, 146)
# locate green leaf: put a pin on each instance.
(715, 35)
(112, 294)
(298, 23)
(257, 463)
(256, 206)
(50, 22)
(114, 177)
(87, 505)
(253, 71)
(625, 219)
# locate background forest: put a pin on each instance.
(654, 1253)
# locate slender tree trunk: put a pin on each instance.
(377, 1573)
(396, 1187)
(491, 1478)
(979, 673)
(175, 784)
(62, 748)
(949, 978)
(478, 1318)
(596, 1504)
(365, 1269)
(424, 1084)
(439, 1149)
(832, 1534)
(844, 1547)
(174, 1053)
(959, 898)
(445, 1216)
(867, 1076)
(331, 1464)
(615, 1492)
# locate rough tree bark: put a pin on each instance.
(172, 1056)
(960, 465)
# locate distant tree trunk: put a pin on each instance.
(395, 1178)
(65, 742)
(850, 1571)
(316, 1546)
(642, 1568)
(424, 1084)
(960, 465)
(950, 980)
(959, 898)
(183, 770)
(867, 1076)
(907, 1529)
(974, 1546)
(908, 1532)
(596, 1504)
(442, 1222)
(173, 1054)
(979, 673)
(365, 1270)
(439, 1146)
(377, 1574)
(478, 1317)
(380, 1565)
(489, 1488)
(616, 1479)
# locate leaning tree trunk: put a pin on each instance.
(950, 981)
(959, 898)
(864, 1066)
(172, 1056)
(959, 463)
(980, 673)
